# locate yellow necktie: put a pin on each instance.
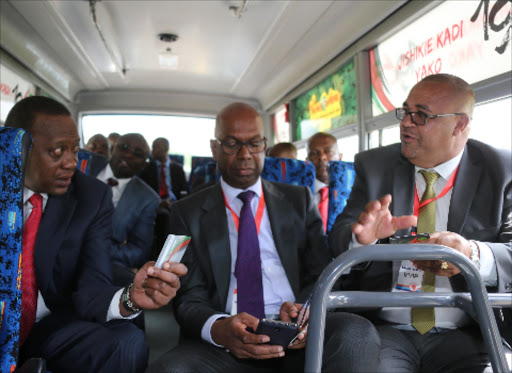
(423, 318)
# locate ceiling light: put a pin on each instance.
(167, 59)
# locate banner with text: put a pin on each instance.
(330, 105)
(470, 39)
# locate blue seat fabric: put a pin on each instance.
(290, 171)
(341, 179)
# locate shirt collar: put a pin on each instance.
(319, 185)
(445, 169)
(110, 174)
(231, 193)
(27, 193)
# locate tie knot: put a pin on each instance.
(430, 177)
(247, 196)
(324, 193)
(36, 201)
(112, 182)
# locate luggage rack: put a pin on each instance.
(478, 303)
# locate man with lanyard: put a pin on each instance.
(256, 250)
(322, 148)
(458, 191)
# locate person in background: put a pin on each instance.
(256, 250)
(442, 182)
(322, 148)
(112, 139)
(72, 314)
(98, 144)
(283, 150)
(134, 201)
(168, 180)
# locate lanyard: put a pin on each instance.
(448, 186)
(259, 211)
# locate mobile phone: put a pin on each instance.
(280, 332)
(410, 238)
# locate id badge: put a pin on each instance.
(234, 303)
(409, 277)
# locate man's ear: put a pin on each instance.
(213, 147)
(461, 124)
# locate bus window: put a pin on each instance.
(491, 123)
(189, 136)
(348, 146)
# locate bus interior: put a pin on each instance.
(165, 68)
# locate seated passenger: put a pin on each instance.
(112, 139)
(283, 150)
(134, 201)
(99, 144)
(238, 276)
(455, 179)
(72, 315)
(168, 180)
(322, 148)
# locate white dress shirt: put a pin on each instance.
(276, 287)
(318, 185)
(117, 190)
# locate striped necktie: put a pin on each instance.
(423, 318)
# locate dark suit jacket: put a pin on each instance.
(151, 176)
(133, 224)
(71, 255)
(480, 207)
(298, 235)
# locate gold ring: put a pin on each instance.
(444, 265)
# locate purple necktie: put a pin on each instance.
(248, 262)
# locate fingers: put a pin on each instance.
(437, 267)
(289, 311)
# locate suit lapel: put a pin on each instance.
(277, 204)
(464, 191)
(52, 231)
(216, 238)
(403, 193)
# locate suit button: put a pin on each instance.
(508, 286)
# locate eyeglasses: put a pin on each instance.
(125, 148)
(420, 118)
(233, 146)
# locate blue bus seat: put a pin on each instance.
(341, 179)
(477, 303)
(201, 174)
(177, 158)
(84, 161)
(14, 147)
(290, 171)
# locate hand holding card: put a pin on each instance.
(173, 250)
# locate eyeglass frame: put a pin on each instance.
(427, 116)
(135, 152)
(240, 144)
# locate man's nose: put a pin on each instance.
(407, 121)
(70, 160)
(244, 152)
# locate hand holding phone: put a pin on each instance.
(280, 332)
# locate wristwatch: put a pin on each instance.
(127, 302)
(475, 257)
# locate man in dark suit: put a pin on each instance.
(291, 253)
(322, 148)
(472, 196)
(135, 202)
(74, 317)
(168, 180)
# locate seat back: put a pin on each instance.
(289, 171)
(477, 303)
(177, 158)
(341, 179)
(14, 147)
(199, 172)
(84, 161)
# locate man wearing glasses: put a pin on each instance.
(460, 192)
(256, 250)
(135, 204)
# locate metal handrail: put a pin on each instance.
(323, 299)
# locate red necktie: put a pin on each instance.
(323, 205)
(112, 182)
(164, 192)
(28, 274)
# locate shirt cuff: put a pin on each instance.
(113, 311)
(206, 331)
(355, 243)
(488, 269)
